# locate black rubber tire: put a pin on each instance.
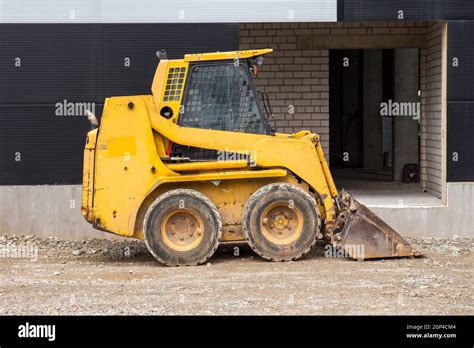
(200, 205)
(255, 207)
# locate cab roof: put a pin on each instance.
(226, 55)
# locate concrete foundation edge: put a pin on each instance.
(54, 211)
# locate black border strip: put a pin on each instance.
(287, 330)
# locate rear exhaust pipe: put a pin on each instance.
(92, 119)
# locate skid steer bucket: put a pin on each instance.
(363, 235)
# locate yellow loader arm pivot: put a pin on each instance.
(196, 163)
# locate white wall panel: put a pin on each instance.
(161, 11)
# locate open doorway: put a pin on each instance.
(375, 120)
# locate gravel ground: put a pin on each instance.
(120, 277)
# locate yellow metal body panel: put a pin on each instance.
(211, 165)
(325, 167)
(121, 146)
(88, 175)
(226, 55)
(122, 179)
(160, 144)
(168, 85)
(158, 86)
(124, 169)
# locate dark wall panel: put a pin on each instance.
(39, 147)
(460, 141)
(139, 43)
(460, 101)
(80, 63)
(461, 52)
(57, 62)
(412, 9)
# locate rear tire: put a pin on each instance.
(281, 222)
(182, 228)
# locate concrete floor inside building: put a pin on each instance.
(376, 188)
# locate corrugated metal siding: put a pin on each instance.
(50, 147)
(461, 47)
(78, 63)
(461, 141)
(139, 42)
(412, 9)
(460, 101)
(176, 11)
(57, 62)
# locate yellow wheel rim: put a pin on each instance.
(282, 223)
(182, 230)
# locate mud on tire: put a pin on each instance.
(281, 222)
(182, 228)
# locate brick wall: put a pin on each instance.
(431, 111)
(297, 79)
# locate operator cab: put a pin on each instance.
(215, 91)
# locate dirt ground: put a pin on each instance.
(120, 277)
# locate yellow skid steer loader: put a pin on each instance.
(196, 163)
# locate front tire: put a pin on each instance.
(182, 228)
(281, 222)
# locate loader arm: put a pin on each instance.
(302, 155)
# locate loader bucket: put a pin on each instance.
(366, 236)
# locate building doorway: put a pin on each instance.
(375, 119)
